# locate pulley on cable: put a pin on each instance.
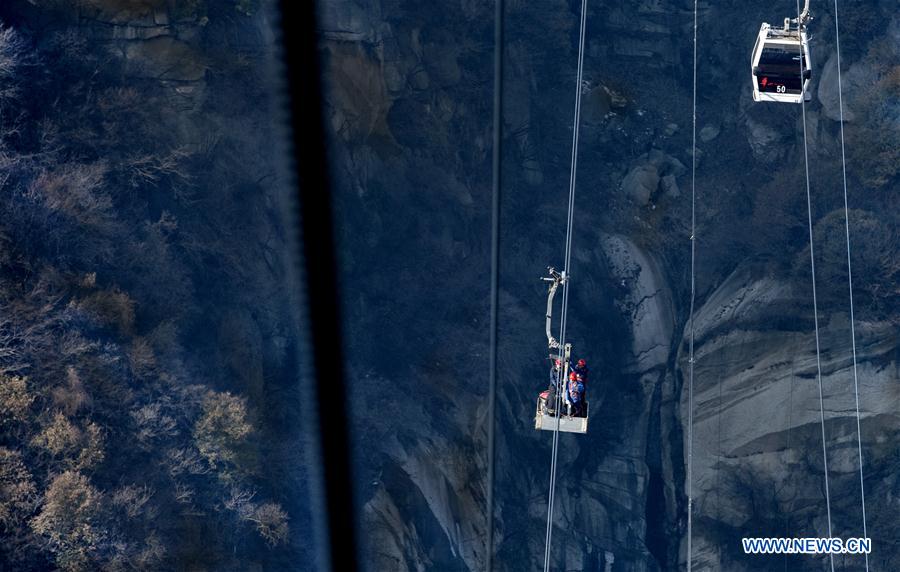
(568, 378)
(780, 63)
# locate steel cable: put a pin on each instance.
(690, 444)
(862, 490)
(812, 264)
(495, 276)
(565, 303)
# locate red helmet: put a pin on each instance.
(573, 376)
(581, 363)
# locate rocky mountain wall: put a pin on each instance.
(409, 101)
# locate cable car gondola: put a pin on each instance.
(781, 65)
(545, 416)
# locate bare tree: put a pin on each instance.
(71, 521)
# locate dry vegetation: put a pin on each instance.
(115, 446)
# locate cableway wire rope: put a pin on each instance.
(787, 448)
(690, 443)
(495, 275)
(812, 264)
(565, 303)
(862, 489)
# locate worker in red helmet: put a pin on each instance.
(555, 372)
(581, 370)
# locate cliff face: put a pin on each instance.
(759, 461)
(409, 95)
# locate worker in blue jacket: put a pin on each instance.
(575, 395)
(550, 395)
